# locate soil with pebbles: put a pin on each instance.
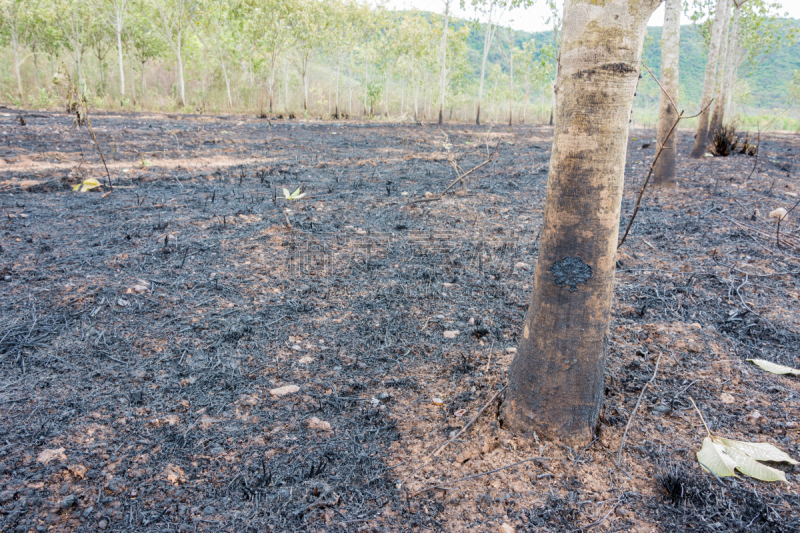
(191, 352)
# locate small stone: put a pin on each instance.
(286, 389)
(437, 401)
(209, 510)
(507, 528)
(102, 524)
(296, 347)
(68, 502)
(375, 402)
(511, 349)
(452, 334)
(522, 266)
(384, 396)
(779, 213)
(318, 425)
(306, 360)
(727, 398)
(122, 302)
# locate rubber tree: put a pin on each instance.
(723, 68)
(114, 14)
(493, 10)
(556, 380)
(664, 174)
(173, 20)
(509, 57)
(16, 16)
(443, 74)
(701, 133)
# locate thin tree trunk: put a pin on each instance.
(144, 86)
(511, 76)
(556, 380)
(701, 134)
(15, 49)
(133, 85)
(121, 69)
(227, 82)
(664, 174)
(718, 109)
(181, 88)
(555, 88)
(443, 76)
(723, 100)
(337, 88)
(487, 43)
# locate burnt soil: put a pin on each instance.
(142, 330)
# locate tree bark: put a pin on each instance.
(556, 380)
(722, 102)
(701, 134)
(718, 109)
(487, 44)
(443, 75)
(664, 174)
(181, 87)
(121, 69)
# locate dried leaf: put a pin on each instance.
(774, 368)
(712, 457)
(86, 185)
(760, 451)
(750, 467)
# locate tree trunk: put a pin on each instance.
(15, 49)
(181, 88)
(337, 89)
(121, 70)
(718, 117)
(718, 108)
(487, 44)
(511, 83)
(701, 134)
(227, 82)
(133, 84)
(144, 86)
(664, 174)
(553, 95)
(443, 75)
(556, 380)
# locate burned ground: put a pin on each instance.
(142, 330)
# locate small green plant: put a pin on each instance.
(296, 195)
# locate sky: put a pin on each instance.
(535, 18)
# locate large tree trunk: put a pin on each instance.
(718, 108)
(556, 380)
(701, 134)
(443, 75)
(664, 174)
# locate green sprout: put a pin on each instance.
(296, 195)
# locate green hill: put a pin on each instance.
(767, 82)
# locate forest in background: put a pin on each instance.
(240, 55)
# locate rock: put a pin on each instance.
(318, 425)
(452, 334)
(306, 360)
(375, 402)
(511, 349)
(522, 266)
(779, 213)
(68, 502)
(45, 456)
(384, 396)
(283, 391)
(507, 528)
(727, 398)
(102, 524)
(437, 401)
(209, 510)
(297, 347)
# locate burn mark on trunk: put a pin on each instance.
(617, 69)
(570, 271)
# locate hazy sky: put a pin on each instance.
(534, 18)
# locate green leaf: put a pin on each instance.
(713, 457)
(86, 185)
(750, 467)
(774, 368)
(760, 451)
(296, 192)
(286, 193)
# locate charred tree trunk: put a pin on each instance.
(556, 380)
(726, 84)
(664, 174)
(701, 134)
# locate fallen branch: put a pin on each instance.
(630, 418)
(460, 178)
(447, 443)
